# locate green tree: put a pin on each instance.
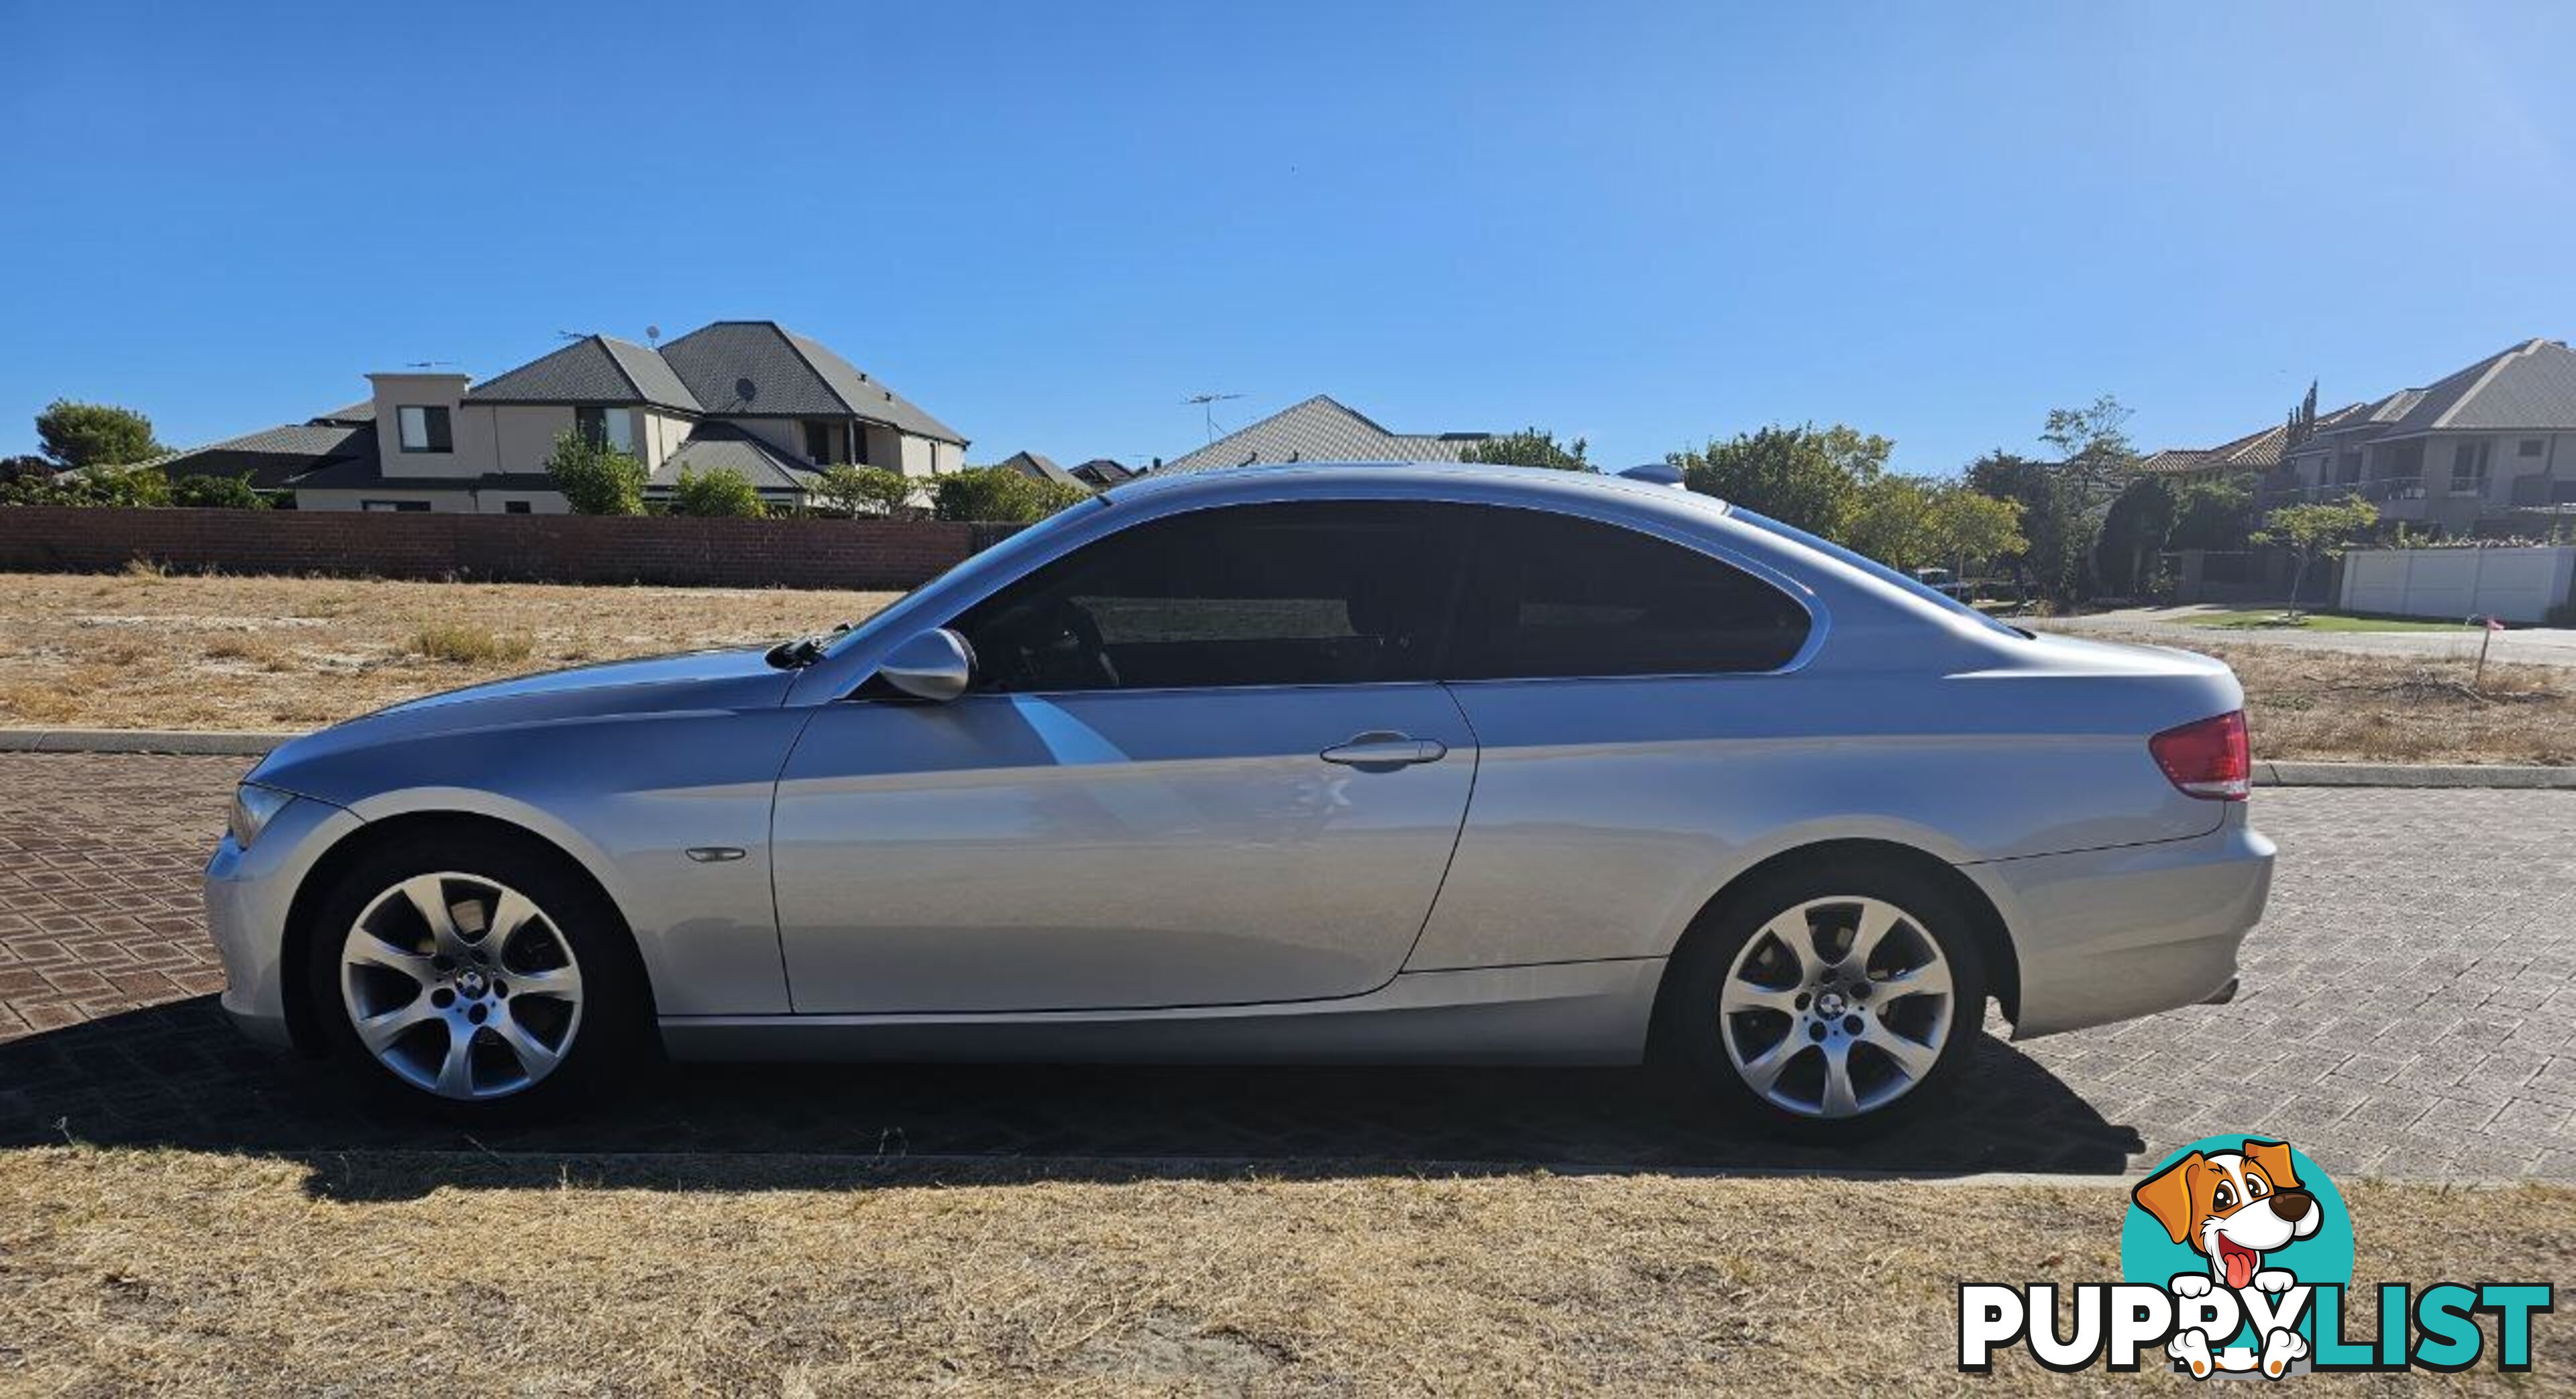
(2092, 444)
(999, 494)
(215, 492)
(864, 490)
(723, 493)
(2134, 529)
(1891, 521)
(1967, 525)
(2215, 514)
(1529, 447)
(2056, 534)
(95, 434)
(1861, 455)
(1802, 476)
(2318, 530)
(595, 478)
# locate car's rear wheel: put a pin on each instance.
(476, 976)
(1827, 1003)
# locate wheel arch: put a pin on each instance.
(1986, 922)
(334, 864)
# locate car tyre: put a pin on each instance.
(1772, 997)
(533, 973)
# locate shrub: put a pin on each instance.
(99, 485)
(466, 644)
(1529, 447)
(864, 490)
(721, 493)
(595, 478)
(997, 494)
(215, 492)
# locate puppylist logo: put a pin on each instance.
(2237, 1257)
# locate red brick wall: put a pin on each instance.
(801, 553)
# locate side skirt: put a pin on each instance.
(1559, 1013)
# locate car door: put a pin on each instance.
(1632, 708)
(1202, 761)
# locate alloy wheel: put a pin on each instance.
(1837, 1007)
(461, 986)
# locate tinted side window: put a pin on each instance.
(1330, 593)
(1552, 595)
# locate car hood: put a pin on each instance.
(696, 682)
(612, 687)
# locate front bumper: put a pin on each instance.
(248, 894)
(2105, 935)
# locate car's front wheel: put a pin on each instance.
(1827, 1003)
(474, 974)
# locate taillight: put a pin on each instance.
(2209, 759)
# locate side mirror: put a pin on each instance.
(933, 665)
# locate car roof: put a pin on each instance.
(1291, 479)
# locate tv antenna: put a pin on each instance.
(571, 335)
(430, 364)
(1205, 402)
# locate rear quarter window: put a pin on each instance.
(1557, 596)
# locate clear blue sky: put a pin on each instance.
(1047, 223)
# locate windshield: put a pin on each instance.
(1873, 568)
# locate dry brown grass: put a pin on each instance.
(147, 649)
(2318, 704)
(201, 1272)
(468, 644)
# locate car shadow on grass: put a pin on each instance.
(175, 1075)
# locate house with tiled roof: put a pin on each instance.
(2486, 449)
(1321, 429)
(1037, 466)
(2254, 453)
(752, 396)
(1101, 473)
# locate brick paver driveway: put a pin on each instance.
(2409, 1010)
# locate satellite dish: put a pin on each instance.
(653, 334)
(745, 390)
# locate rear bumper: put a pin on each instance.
(2105, 935)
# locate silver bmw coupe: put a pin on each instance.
(1338, 763)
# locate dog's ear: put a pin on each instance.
(2274, 1158)
(2170, 1195)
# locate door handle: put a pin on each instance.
(1385, 750)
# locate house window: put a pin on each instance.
(515, 507)
(2469, 468)
(424, 429)
(2405, 462)
(2529, 447)
(393, 505)
(614, 427)
(824, 442)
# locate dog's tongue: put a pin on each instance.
(2240, 1268)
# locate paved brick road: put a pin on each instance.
(2410, 1010)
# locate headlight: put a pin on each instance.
(253, 809)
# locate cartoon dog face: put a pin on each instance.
(2232, 1207)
